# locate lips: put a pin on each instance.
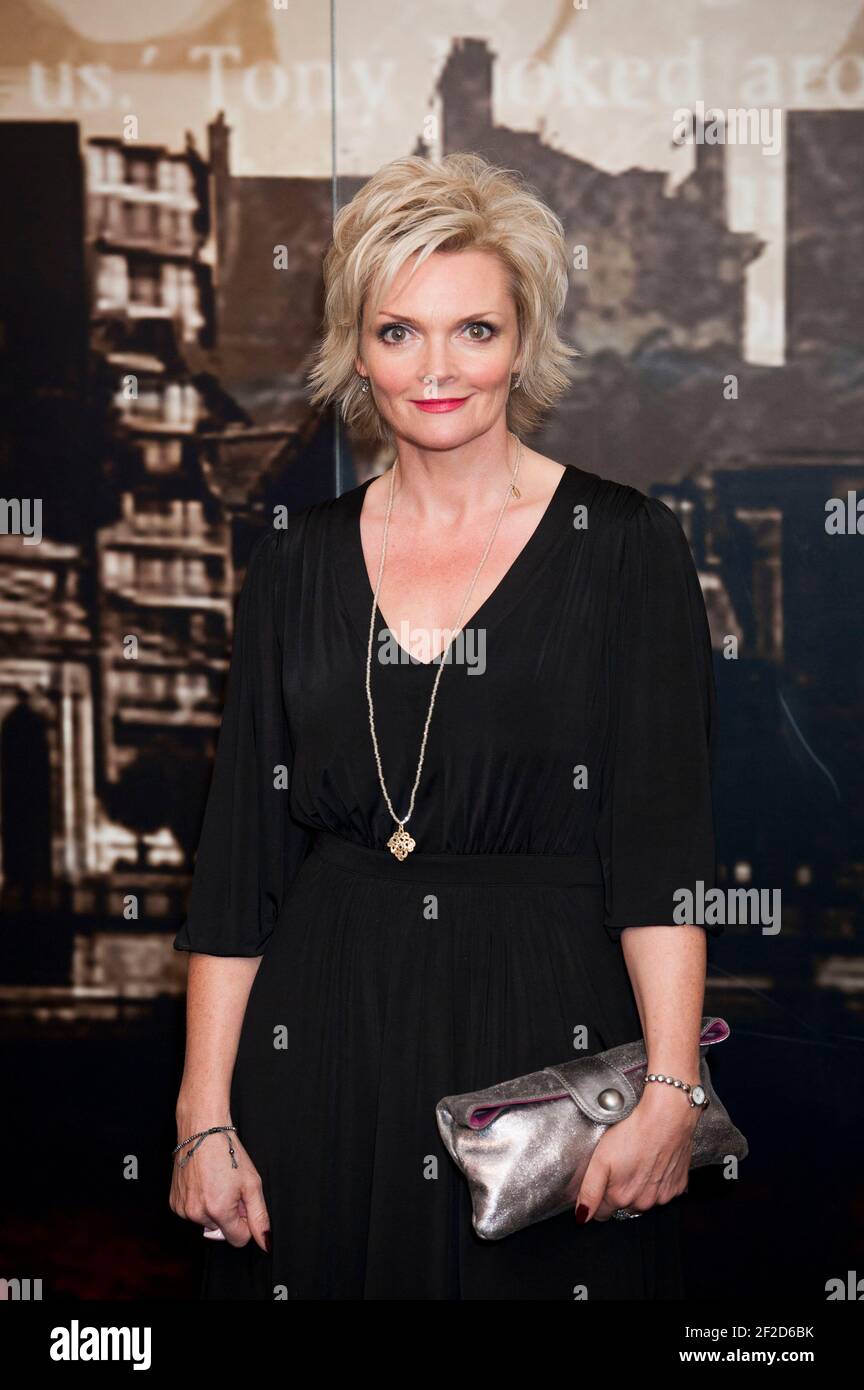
(438, 407)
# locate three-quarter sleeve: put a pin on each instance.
(250, 847)
(655, 828)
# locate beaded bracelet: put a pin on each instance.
(696, 1095)
(217, 1129)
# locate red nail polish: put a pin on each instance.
(581, 1213)
(267, 1241)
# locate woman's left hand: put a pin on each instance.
(642, 1161)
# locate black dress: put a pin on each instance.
(565, 795)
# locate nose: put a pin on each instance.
(436, 372)
(435, 384)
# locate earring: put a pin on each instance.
(516, 381)
(364, 384)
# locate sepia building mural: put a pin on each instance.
(160, 303)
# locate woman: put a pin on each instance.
(399, 897)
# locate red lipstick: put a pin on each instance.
(438, 406)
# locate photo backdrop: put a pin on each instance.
(170, 174)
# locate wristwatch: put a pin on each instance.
(696, 1095)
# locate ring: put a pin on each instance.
(622, 1214)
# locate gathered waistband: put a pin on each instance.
(457, 868)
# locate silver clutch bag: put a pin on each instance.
(524, 1145)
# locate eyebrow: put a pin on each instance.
(463, 318)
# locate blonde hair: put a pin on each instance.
(417, 205)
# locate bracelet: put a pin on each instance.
(217, 1129)
(695, 1094)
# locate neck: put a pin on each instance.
(446, 485)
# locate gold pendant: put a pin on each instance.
(401, 843)
(515, 491)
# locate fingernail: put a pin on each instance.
(581, 1213)
(267, 1241)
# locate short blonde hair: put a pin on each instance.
(417, 205)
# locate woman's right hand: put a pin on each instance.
(210, 1191)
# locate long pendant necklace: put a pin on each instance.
(400, 842)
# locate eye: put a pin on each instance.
(393, 328)
(487, 328)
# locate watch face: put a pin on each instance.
(697, 1095)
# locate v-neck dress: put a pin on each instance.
(565, 796)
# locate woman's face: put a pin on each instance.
(441, 348)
